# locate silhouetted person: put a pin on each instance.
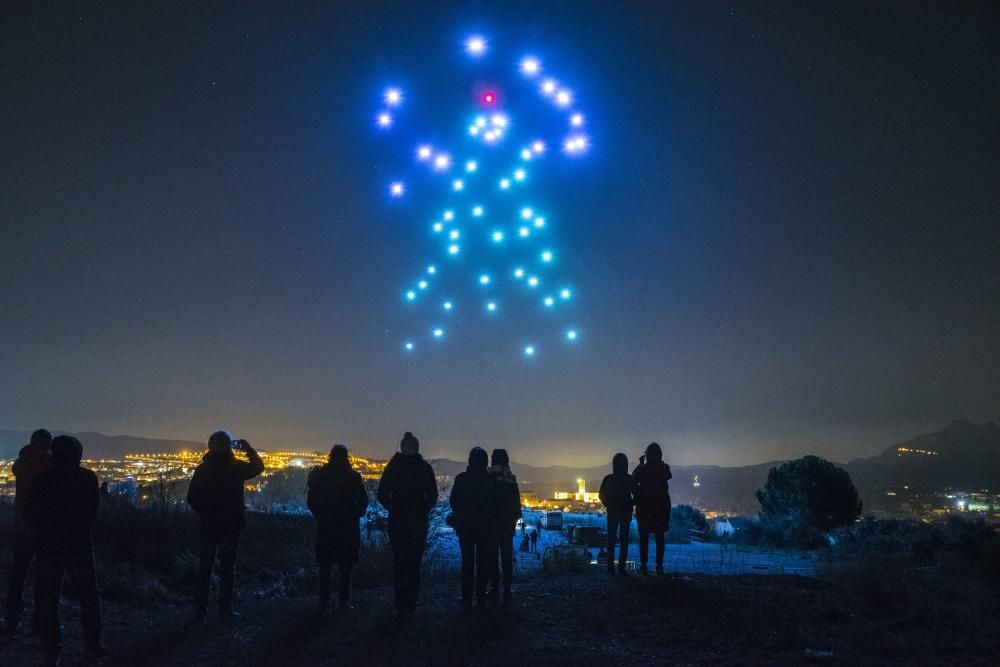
(534, 541)
(408, 491)
(474, 497)
(216, 494)
(618, 496)
(652, 507)
(338, 500)
(61, 505)
(32, 460)
(508, 512)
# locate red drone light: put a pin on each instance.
(489, 97)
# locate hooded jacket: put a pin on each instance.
(508, 493)
(60, 508)
(337, 498)
(475, 499)
(408, 489)
(31, 460)
(652, 507)
(618, 489)
(216, 491)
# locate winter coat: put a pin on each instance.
(618, 492)
(30, 462)
(475, 501)
(508, 499)
(652, 507)
(60, 508)
(337, 498)
(216, 491)
(408, 489)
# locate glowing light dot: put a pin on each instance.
(547, 256)
(471, 166)
(393, 96)
(484, 279)
(565, 294)
(497, 237)
(504, 183)
(491, 306)
(533, 281)
(453, 249)
(576, 144)
(530, 66)
(480, 121)
(448, 305)
(538, 147)
(424, 152)
(477, 211)
(475, 46)
(520, 175)
(422, 284)
(458, 185)
(518, 273)
(473, 130)
(432, 269)
(529, 350)
(489, 97)
(384, 119)
(526, 154)
(539, 222)
(499, 120)
(526, 213)
(523, 232)
(408, 346)
(549, 86)
(411, 295)
(571, 334)
(438, 332)
(576, 120)
(454, 234)
(564, 98)
(490, 136)
(397, 189)
(442, 161)
(549, 301)
(448, 215)
(438, 227)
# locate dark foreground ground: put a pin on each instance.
(574, 618)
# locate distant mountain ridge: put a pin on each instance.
(963, 456)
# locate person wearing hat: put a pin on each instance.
(408, 491)
(216, 494)
(338, 500)
(652, 506)
(60, 509)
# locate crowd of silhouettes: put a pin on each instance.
(56, 502)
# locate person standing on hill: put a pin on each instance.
(60, 509)
(216, 494)
(618, 496)
(508, 511)
(32, 460)
(474, 509)
(652, 508)
(534, 540)
(408, 491)
(338, 500)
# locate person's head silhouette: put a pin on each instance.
(653, 452)
(478, 458)
(338, 456)
(41, 439)
(409, 445)
(619, 464)
(220, 442)
(66, 451)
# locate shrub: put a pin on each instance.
(686, 522)
(805, 498)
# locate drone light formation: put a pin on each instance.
(511, 264)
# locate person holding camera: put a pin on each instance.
(216, 494)
(652, 503)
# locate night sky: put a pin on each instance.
(785, 239)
